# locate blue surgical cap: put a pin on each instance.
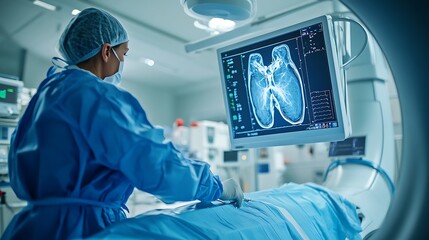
(87, 32)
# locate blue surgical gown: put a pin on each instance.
(79, 150)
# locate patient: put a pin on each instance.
(292, 211)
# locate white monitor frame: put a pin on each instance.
(304, 136)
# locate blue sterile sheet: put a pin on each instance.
(292, 211)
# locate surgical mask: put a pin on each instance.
(116, 78)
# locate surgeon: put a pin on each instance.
(83, 144)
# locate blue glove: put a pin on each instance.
(232, 192)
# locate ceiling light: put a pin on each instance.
(149, 62)
(75, 12)
(45, 5)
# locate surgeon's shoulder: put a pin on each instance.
(85, 81)
(89, 84)
(114, 94)
(79, 78)
(118, 94)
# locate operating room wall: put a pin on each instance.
(11, 57)
(158, 102)
(203, 101)
(25, 65)
(34, 71)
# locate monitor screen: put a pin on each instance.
(10, 90)
(8, 93)
(230, 156)
(353, 146)
(284, 87)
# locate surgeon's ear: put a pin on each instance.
(105, 52)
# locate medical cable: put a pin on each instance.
(364, 162)
(344, 19)
(344, 65)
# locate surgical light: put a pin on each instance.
(217, 16)
(205, 27)
(221, 25)
(45, 5)
(227, 9)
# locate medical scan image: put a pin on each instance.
(276, 86)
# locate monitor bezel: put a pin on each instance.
(301, 137)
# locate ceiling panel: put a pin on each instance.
(165, 16)
(158, 30)
(14, 15)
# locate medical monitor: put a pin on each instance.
(351, 147)
(284, 87)
(9, 95)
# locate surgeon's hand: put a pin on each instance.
(232, 192)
